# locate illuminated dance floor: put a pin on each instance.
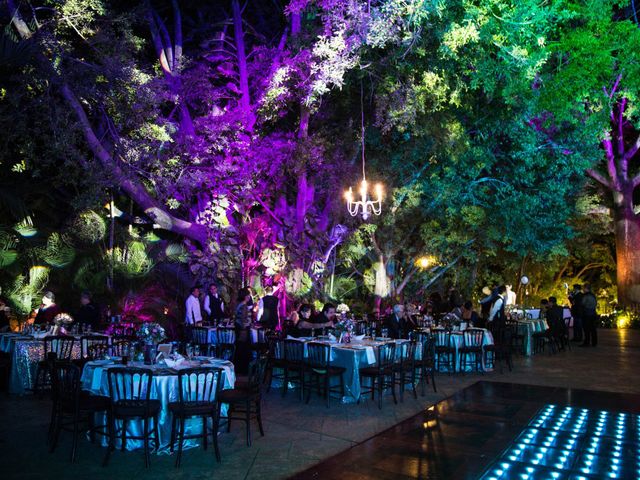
(494, 431)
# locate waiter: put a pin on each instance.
(193, 314)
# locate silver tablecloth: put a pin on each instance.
(25, 354)
(164, 388)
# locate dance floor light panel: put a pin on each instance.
(568, 443)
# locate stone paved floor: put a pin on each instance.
(298, 435)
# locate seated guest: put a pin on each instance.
(398, 323)
(544, 308)
(88, 314)
(469, 315)
(555, 317)
(301, 321)
(324, 319)
(47, 310)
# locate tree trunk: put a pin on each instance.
(245, 98)
(627, 232)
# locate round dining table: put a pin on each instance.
(164, 388)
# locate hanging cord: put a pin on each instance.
(362, 127)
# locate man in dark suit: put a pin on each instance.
(398, 323)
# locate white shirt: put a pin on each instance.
(497, 305)
(207, 304)
(193, 313)
(511, 297)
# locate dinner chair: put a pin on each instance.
(319, 368)
(226, 335)
(275, 361)
(200, 339)
(198, 393)
(71, 405)
(225, 351)
(425, 365)
(293, 365)
(60, 346)
(92, 344)
(472, 340)
(246, 401)
(382, 373)
(120, 347)
(130, 394)
(501, 349)
(445, 350)
(404, 367)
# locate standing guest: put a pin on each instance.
(486, 302)
(47, 310)
(193, 315)
(242, 319)
(510, 295)
(575, 298)
(88, 314)
(497, 316)
(470, 316)
(268, 309)
(242, 322)
(455, 299)
(589, 311)
(213, 305)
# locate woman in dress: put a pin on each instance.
(242, 322)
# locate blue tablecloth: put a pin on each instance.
(456, 340)
(164, 388)
(528, 328)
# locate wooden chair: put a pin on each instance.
(59, 347)
(404, 367)
(382, 373)
(293, 365)
(71, 405)
(445, 351)
(319, 368)
(472, 340)
(130, 393)
(198, 393)
(246, 401)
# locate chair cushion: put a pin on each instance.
(373, 371)
(135, 408)
(236, 395)
(187, 409)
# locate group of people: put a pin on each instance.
(87, 314)
(585, 317)
(210, 308)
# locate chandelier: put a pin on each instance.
(365, 205)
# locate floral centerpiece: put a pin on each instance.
(343, 329)
(151, 333)
(450, 320)
(342, 309)
(60, 323)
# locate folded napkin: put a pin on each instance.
(174, 361)
(332, 337)
(358, 338)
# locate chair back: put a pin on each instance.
(502, 337)
(385, 355)
(293, 351)
(200, 335)
(92, 346)
(129, 383)
(406, 353)
(121, 347)
(318, 354)
(226, 351)
(200, 385)
(61, 345)
(65, 383)
(442, 337)
(473, 337)
(261, 336)
(226, 335)
(257, 370)
(276, 349)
